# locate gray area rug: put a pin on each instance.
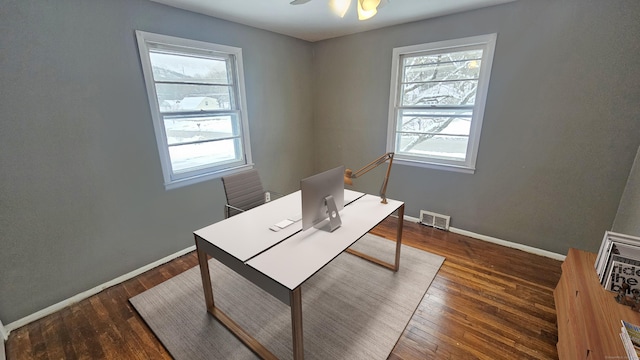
(351, 309)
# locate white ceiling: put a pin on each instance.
(314, 20)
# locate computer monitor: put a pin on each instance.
(322, 199)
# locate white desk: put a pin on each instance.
(279, 262)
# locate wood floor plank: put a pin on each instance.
(84, 338)
(487, 302)
(146, 340)
(60, 347)
(20, 348)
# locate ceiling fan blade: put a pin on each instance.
(299, 2)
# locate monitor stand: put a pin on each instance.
(334, 216)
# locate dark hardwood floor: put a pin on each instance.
(487, 302)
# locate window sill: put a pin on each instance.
(430, 165)
(175, 184)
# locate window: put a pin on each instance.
(438, 92)
(197, 100)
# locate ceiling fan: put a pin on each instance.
(366, 8)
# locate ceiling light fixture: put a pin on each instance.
(369, 5)
(340, 7)
(364, 14)
(366, 8)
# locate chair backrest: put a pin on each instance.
(243, 190)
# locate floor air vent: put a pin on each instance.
(434, 220)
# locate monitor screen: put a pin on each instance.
(315, 189)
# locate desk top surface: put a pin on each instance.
(299, 257)
(247, 234)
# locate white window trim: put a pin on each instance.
(171, 182)
(469, 166)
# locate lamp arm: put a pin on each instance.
(372, 165)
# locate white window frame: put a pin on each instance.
(487, 43)
(149, 41)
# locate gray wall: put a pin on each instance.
(561, 126)
(628, 217)
(81, 194)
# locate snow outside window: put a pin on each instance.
(197, 99)
(438, 93)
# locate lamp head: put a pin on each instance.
(347, 177)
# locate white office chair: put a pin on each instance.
(244, 191)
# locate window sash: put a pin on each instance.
(178, 169)
(201, 127)
(202, 79)
(431, 142)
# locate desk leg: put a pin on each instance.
(396, 265)
(399, 237)
(206, 278)
(225, 320)
(296, 323)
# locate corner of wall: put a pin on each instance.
(5, 337)
(626, 219)
(3, 332)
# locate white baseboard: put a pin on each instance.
(510, 244)
(74, 299)
(506, 243)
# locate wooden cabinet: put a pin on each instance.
(589, 318)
